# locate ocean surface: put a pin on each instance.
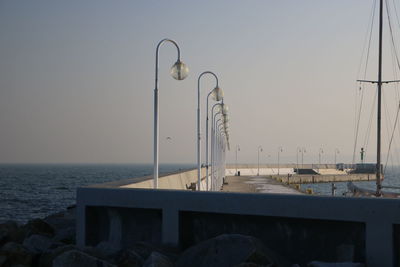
(38, 190)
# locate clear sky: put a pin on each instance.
(77, 77)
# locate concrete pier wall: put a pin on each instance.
(299, 227)
(180, 180)
(311, 179)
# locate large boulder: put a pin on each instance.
(65, 235)
(38, 226)
(129, 258)
(229, 250)
(79, 259)
(15, 253)
(10, 232)
(47, 257)
(157, 260)
(37, 243)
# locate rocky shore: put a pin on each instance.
(51, 242)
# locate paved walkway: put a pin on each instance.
(256, 184)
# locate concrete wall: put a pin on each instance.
(282, 165)
(299, 227)
(179, 180)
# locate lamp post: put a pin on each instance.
(218, 95)
(336, 152)
(179, 71)
(237, 150)
(298, 149)
(303, 150)
(321, 151)
(280, 149)
(259, 149)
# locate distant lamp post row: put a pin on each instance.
(179, 71)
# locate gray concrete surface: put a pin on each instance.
(255, 184)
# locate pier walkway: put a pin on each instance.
(256, 184)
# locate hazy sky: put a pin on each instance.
(77, 77)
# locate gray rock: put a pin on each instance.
(9, 232)
(38, 226)
(229, 250)
(129, 258)
(79, 259)
(16, 254)
(37, 243)
(334, 264)
(47, 257)
(3, 260)
(107, 249)
(157, 260)
(65, 235)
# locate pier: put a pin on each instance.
(298, 225)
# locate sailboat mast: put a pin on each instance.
(378, 152)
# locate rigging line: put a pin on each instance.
(395, 59)
(357, 126)
(368, 32)
(391, 139)
(368, 133)
(391, 34)
(369, 29)
(395, 75)
(369, 41)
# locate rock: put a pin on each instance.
(107, 250)
(129, 258)
(334, 264)
(16, 254)
(9, 232)
(157, 260)
(229, 250)
(38, 226)
(37, 243)
(3, 260)
(66, 235)
(145, 249)
(47, 257)
(79, 259)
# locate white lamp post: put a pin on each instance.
(259, 149)
(237, 150)
(280, 149)
(336, 152)
(179, 71)
(217, 96)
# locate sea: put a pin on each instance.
(29, 191)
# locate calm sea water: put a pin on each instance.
(36, 191)
(392, 178)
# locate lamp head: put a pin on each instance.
(217, 93)
(179, 70)
(225, 109)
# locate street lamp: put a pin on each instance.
(280, 149)
(217, 93)
(298, 150)
(321, 151)
(259, 149)
(179, 71)
(303, 150)
(336, 152)
(237, 150)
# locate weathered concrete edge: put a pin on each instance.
(379, 215)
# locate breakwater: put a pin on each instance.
(301, 228)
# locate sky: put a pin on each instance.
(77, 78)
